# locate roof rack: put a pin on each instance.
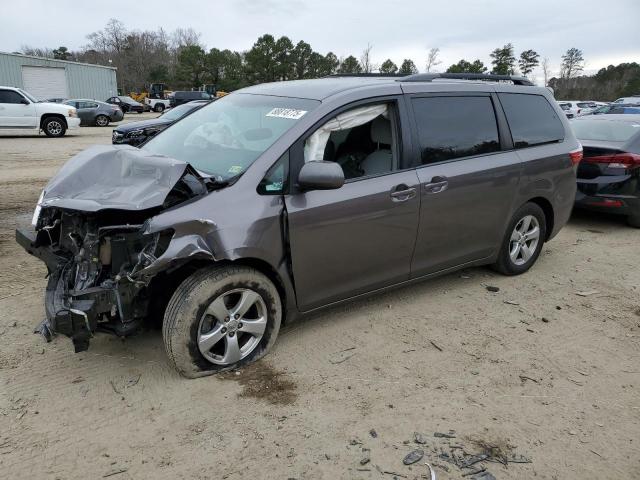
(428, 77)
(365, 75)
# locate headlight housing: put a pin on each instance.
(36, 212)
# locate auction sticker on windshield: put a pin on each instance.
(289, 113)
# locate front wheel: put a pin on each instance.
(523, 240)
(159, 108)
(54, 127)
(221, 318)
(102, 120)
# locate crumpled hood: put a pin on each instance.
(113, 177)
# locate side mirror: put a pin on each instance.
(320, 176)
(24, 101)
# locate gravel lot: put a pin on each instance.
(534, 370)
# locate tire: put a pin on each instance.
(633, 221)
(517, 254)
(54, 127)
(200, 305)
(102, 121)
(159, 108)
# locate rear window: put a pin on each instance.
(605, 130)
(454, 127)
(565, 106)
(532, 120)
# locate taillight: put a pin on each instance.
(618, 160)
(576, 156)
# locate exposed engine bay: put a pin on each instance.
(91, 232)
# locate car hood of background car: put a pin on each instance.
(154, 122)
(114, 177)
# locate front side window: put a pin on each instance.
(532, 120)
(9, 96)
(360, 140)
(225, 137)
(455, 127)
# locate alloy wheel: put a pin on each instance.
(54, 127)
(524, 240)
(232, 326)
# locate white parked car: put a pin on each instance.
(632, 99)
(578, 107)
(20, 110)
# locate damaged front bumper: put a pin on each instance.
(99, 287)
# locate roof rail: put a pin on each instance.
(366, 75)
(428, 77)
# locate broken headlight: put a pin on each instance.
(36, 211)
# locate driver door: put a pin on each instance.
(360, 237)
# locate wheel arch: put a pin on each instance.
(166, 282)
(549, 214)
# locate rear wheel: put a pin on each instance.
(159, 107)
(54, 127)
(102, 120)
(523, 241)
(221, 318)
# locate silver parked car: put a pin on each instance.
(284, 198)
(93, 112)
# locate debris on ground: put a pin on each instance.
(435, 345)
(413, 457)
(587, 293)
(419, 438)
(451, 434)
(373, 433)
(493, 289)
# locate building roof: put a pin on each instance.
(57, 60)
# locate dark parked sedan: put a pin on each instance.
(609, 174)
(93, 112)
(136, 133)
(126, 104)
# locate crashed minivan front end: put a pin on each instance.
(92, 231)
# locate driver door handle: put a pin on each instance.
(436, 185)
(402, 193)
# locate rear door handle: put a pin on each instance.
(436, 185)
(402, 193)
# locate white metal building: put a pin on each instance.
(47, 78)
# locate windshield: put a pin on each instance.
(605, 130)
(224, 138)
(28, 95)
(178, 112)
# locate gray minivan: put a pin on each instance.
(284, 198)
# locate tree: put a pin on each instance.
(192, 65)
(350, 65)
(302, 58)
(432, 59)
(408, 67)
(388, 67)
(61, 53)
(467, 67)
(528, 61)
(503, 60)
(36, 52)
(331, 63)
(572, 63)
(365, 60)
(546, 70)
(261, 64)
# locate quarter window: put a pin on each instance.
(532, 120)
(455, 127)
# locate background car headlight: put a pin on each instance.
(136, 133)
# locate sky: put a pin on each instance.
(607, 32)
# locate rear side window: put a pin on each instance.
(9, 96)
(532, 120)
(455, 127)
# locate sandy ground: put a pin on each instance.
(534, 370)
